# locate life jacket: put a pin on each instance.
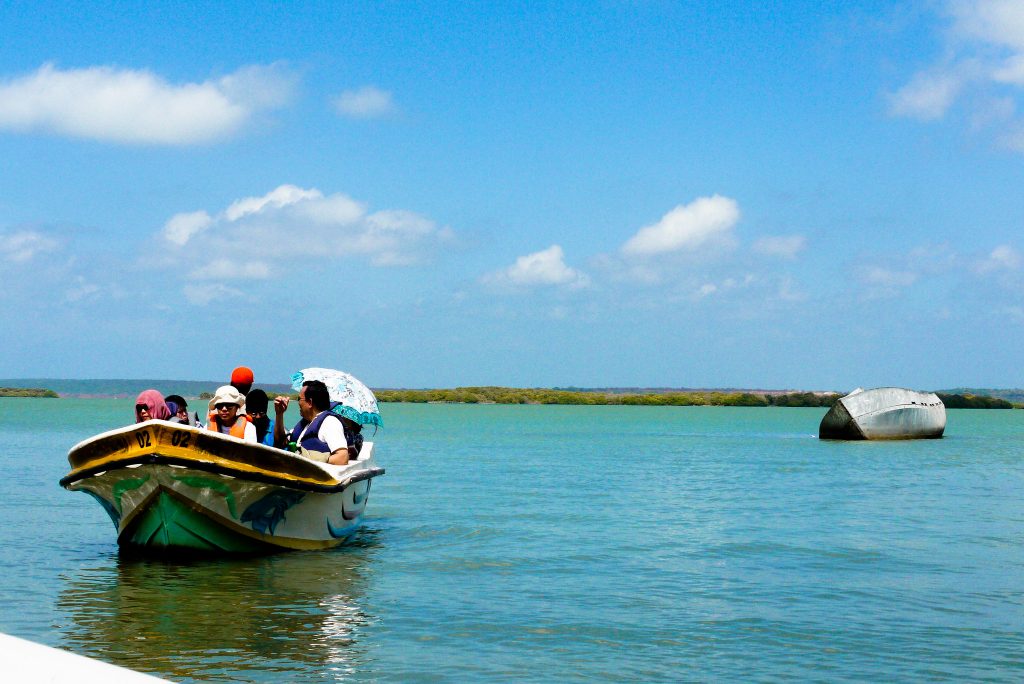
(237, 430)
(311, 440)
(211, 417)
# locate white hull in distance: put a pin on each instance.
(885, 413)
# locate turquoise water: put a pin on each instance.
(550, 543)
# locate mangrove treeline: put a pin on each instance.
(512, 395)
(35, 392)
(515, 395)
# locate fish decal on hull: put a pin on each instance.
(210, 483)
(342, 532)
(126, 485)
(358, 502)
(266, 513)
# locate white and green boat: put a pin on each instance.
(171, 487)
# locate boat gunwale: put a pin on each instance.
(219, 469)
(271, 466)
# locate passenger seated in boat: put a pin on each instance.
(353, 435)
(181, 415)
(256, 408)
(150, 405)
(241, 379)
(319, 435)
(227, 402)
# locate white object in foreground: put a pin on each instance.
(27, 661)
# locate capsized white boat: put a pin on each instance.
(168, 486)
(885, 413)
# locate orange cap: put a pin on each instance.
(241, 376)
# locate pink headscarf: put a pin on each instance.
(154, 401)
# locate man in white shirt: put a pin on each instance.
(320, 434)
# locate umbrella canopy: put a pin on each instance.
(356, 401)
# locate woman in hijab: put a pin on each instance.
(149, 405)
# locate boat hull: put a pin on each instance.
(170, 487)
(885, 413)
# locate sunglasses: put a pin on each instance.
(141, 407)
(221, 407)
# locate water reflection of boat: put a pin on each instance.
(885, 413)
(168, 486)
(281, 617)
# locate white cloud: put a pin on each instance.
(993, 111)
(546, 267)
(367, 102)
(982, 65)
(387, 233)
(294, 224)
(334, 210)
(885, 283)
(23, 245)
(788, 291)
(927, 96)
(784, 246)
(1011, 71)
(1002, 258)
(137, 106)
(999, 22)
(182, 227)
(889, 278)
(82, 289)
(704, 221)
(202, 295)
(279, 197)
(226, 269)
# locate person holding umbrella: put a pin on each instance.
(320, 434)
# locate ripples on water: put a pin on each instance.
(563, 543)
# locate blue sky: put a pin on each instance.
(814, 196)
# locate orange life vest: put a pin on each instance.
(211, 417)
(237, 430)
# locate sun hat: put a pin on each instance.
(227, 394)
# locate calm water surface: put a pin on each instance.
(546, 543)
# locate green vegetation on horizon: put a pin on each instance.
(513, 395)
(953, 401)
(34, 392)
(959, 398)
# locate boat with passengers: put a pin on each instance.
(173, 487)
